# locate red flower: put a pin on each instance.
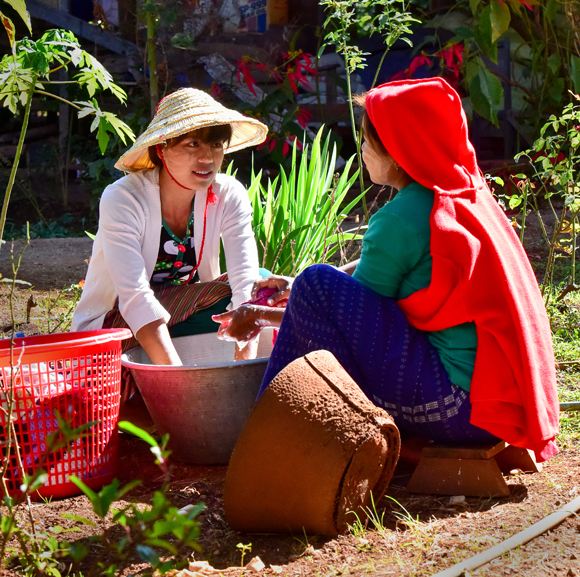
(453, 57)
(298, 63)
(290, 139)
(307, 59)
(244, 71)
(400, 75)
(303, 117)
(270, 142)
(417, 62)
(277, 77)
(216, 91)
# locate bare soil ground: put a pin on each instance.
(435, 535)
(47, 263)
(437, 532)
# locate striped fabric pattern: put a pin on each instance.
(180, 301)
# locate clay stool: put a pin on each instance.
(311, 453)
(474, 471)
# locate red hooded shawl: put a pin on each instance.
(480, 271)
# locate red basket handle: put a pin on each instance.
(43, 343)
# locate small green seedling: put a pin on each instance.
(244, 548)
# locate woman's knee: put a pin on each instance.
(314, 275)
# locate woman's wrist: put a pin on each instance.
(270, 316)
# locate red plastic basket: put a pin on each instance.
(78, 375)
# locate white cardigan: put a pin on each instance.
(127, 244)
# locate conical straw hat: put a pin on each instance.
(181, 112)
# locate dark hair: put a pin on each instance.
(207, 134)
(369, 130)
(371, 134)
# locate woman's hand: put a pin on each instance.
(244, 323)
(282, 286)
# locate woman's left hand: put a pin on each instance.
(244, 323)
(241, 325)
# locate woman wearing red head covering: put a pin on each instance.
(442, 322)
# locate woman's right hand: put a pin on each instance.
(281, 284)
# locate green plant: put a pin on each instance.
(244, 549)
(544, 55)
(347, 19)
(569, 391)
(27, 71)
(370, 514)
(62, 227)
(403, 516)
(554, 159)
(297, 216)
(99, 169)
(58, 310)
(358, 528)
(39, 552)
(147, 530)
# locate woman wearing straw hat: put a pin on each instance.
(155, 258)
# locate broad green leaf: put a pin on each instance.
(483, 35)
(472, 70)
(78, 550)
(474, 5)
(556, 89)
(500, 19)
(102, 500)
(58, 529)
(20, 7)
(122, 130)
(10, 29)
(555, 63)
(154, 542)
(486, 94)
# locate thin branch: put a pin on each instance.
(59, 67)
(58, 98)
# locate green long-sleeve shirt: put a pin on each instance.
(396, 262)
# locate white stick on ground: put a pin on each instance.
(521, 538)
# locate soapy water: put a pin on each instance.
(261, 299)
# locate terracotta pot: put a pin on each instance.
(310, 454)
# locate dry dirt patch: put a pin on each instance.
(435, 535)
(48, 263)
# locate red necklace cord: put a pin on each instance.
(160, 155)
(209, 192)
(210, 199)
